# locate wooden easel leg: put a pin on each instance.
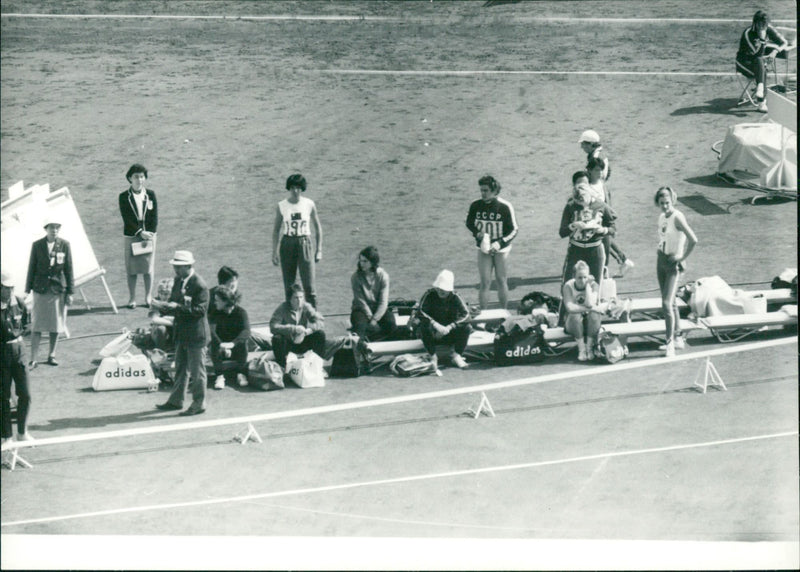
(14, 458)
(108, 293)
(85, 299)
(249, 433)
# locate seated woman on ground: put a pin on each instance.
(230, 331)
(370, 317)
(583, 318)
(444, 319)
(296, 327)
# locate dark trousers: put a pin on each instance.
(14, 370)
(297, 253)
(359, 324)
(230, 366)
(458, 338)
(753, 67)
(282, 345)
(613, 250)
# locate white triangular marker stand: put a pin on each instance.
(16, 458)
(483, 407)
(247, 434)
(710, 375)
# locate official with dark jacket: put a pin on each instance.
(50, 278)
(188, 302)
(138, 207)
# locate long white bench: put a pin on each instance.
(735, 327)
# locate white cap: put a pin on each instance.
(589, 136)
(6, 279)
(50, 219)
(444, 281)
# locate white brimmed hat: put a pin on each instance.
(444, 281)
(6, 279)
(182, 258)
(51, 220)
(589, 136)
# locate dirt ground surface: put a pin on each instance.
(393, 112)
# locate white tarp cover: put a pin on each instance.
(756, 147)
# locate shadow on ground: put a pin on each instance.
(718, 106)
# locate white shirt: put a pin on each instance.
(296, 217)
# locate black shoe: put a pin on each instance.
(51, 361)
(190, 412)
(32, 365)
(168, 407)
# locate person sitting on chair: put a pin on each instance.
(230, 331)
(758, 43)
(296, 327)
(444, 319)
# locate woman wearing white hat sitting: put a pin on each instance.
(444, 319)
(50, 278)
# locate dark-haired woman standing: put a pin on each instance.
(370, 314)
(139, 209)
(492, 222)
(291, 238)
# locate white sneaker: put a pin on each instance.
(589, 354)
(458, 361)
(625, 266)
(669, 350)
(582, 355)
(680, 344)
(242, 380)
(219, 383)
(762, 107)
(25, 437)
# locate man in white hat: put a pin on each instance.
(188, 302)
(444, 319)
(12, 353)
(50, 278)
(590, 144)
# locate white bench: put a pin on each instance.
(777, 296)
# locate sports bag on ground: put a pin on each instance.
(412, 365)
(125, 371)
(264, 373)
(351, 360)
(519, 344)
(306, 370)
(610, 347)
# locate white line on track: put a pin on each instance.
(411, 478)
(520, 72)
(362, 17)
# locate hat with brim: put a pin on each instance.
(444, 281)
(6, 280)
(182, 258)
(589, 136)
(51, 220)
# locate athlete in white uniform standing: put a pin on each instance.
(291, 238)
(676, 240)
(492, 222)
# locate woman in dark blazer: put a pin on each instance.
(139, 209)
(50, 278)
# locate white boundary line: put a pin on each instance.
(362, 17)
(593, 371)
(518, 72)
(407, 479)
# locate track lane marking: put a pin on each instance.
(396, 480)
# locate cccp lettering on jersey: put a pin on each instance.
(523, 351)
(487, 216)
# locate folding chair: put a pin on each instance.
(789, 83)
(748, 95)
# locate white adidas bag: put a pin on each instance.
(306, 370)
(125, 371)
